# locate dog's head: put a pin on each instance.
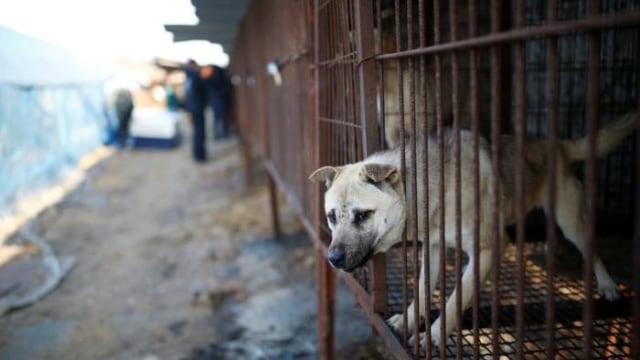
(365, 210)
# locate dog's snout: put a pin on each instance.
(336, 256)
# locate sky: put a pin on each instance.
(109, 28)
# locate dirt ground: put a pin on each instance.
(177, 261)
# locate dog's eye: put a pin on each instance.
(361, 216)
(332, 216)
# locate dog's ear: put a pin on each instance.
(325, 173)
(378, 173)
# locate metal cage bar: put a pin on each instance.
(351, 68)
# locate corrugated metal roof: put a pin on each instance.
(218, 22)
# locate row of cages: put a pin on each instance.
(469, 168)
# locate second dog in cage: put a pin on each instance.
(367, 203)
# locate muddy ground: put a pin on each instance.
(177, 261)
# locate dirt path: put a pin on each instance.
(176, 261)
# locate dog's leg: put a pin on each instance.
(570, 217)
(397, 321)
(484, 262)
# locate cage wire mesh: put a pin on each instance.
(413, 46)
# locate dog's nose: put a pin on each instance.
(336, 256)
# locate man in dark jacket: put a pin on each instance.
(123, 104)
(195, 102)
(218, 91)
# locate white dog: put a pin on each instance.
(366, 206)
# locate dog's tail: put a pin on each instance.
(607, 138)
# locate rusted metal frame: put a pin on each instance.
(324, 276)
(559, 28)
(341, 36)
(506, 68)
(520, 126)
(381, 82)
(271, 150)
(342, 76)
(311, 135)
(273, 203)
(261, 87)
(552, 241)
(327, 77)
(307, 117)
(339, 122)
(339, 60)
(243, 112)
(593, 112)
(441, 188)
(326, 303)
(635, 337)
(341, 79)
(396, 348)
(273, 103)
(497, 231)
(293, 109)
(322, 84)
(319, 137)
(330, 73)
(403, 171)
(291, 197)
(455, 110)
(303, 102)
(286, 159)
(261, 81)
(413, 221)
(366, 69)
(252, 83)
(353, 86)
(426, 248)
(247, 91)
(249, 84)
(334, 41)
(348, 79)
(340, 134)
(323, 80)
(475, 169)
(350, 94)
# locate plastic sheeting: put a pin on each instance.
(45, 126)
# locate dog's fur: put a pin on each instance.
(366, 204)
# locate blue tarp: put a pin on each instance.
(53, 110)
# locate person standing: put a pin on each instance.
(123, 105)
(195, 102)
(218, 92)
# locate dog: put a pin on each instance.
(366, 205)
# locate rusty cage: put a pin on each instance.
(329, 82)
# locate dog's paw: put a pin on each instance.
(396, 322)
(609, 292)
(422, 337)
(435, 337)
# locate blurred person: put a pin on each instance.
(171, 98)
(218, 94)
(123, 104)
(195, 102)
